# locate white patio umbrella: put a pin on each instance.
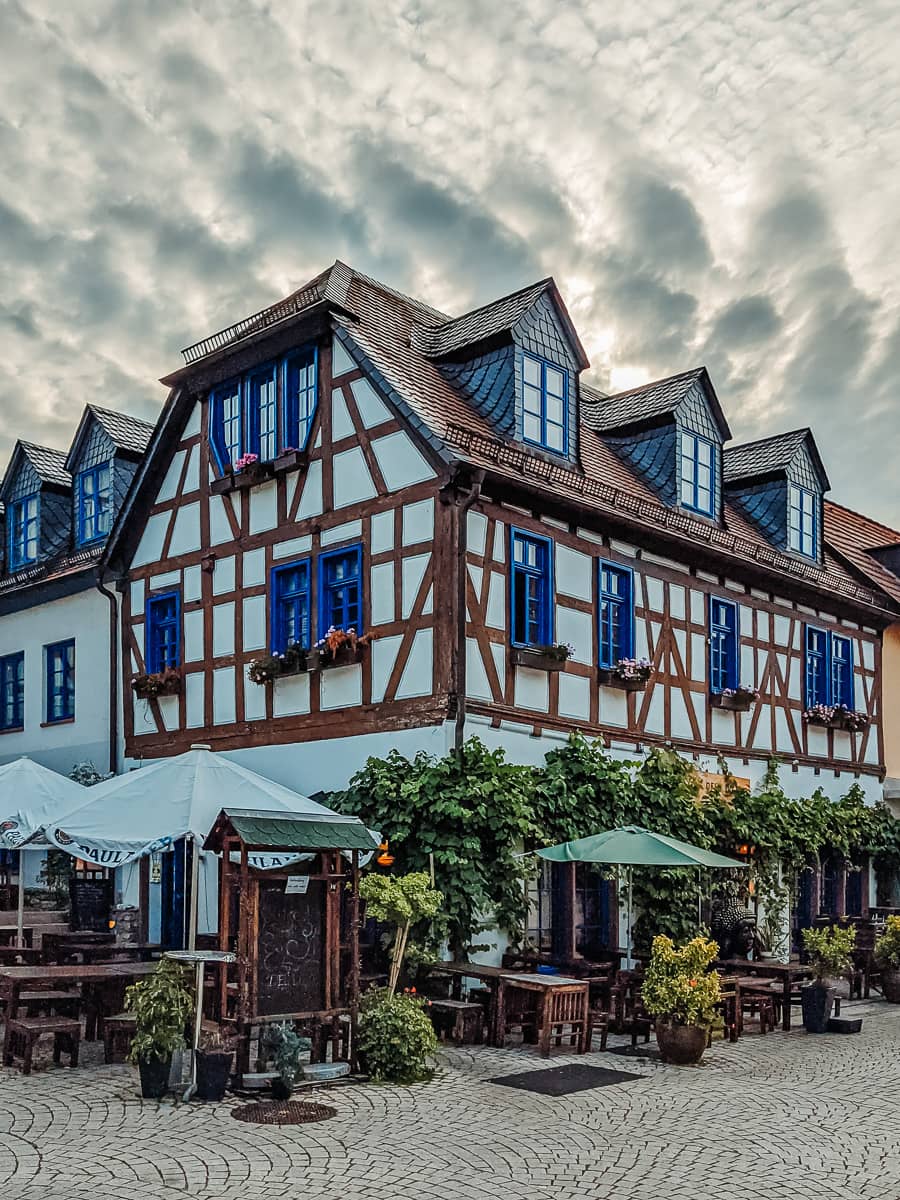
(153, 807)
(31, 796)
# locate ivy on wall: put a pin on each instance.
(474, 812)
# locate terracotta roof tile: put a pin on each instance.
(852, 536)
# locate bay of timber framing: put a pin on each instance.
(386, 714)
(774, 684)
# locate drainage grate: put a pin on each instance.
(292, 1112)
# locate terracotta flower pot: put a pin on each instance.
(890, 985)
(681, 1045)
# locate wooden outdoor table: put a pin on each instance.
(13, 980)
(103, 952)
(787, 973)
(485, 974)
(29, 929)
(546, 987)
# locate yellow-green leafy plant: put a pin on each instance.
(680, 985)
(887, 946)
(830, 950)
(402, 901)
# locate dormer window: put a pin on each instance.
(803, 533)
(23, 531)
(94, 504)
(267, 412)
(544, 404)
(698, 467)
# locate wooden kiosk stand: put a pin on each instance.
(293, 926)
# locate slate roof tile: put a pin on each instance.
(763, 457)
(606, 413)
(127, 433)
(478, 325)
(48, 464)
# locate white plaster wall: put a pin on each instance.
(84, 617)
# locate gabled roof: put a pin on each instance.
(855, 537)
(606, 414)
(771, 456)
(491, 320)
(49, 465)
(129, 435)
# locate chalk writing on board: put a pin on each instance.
(290, 971)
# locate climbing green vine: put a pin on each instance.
(474, 812)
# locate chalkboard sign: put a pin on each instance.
(90, 904)
(290, 975)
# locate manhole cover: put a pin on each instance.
(292, 1112)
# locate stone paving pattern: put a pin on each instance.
(782, 1117)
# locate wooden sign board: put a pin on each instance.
(291, 947)
(296, 885)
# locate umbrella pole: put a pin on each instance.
(629, 962)
(20, 914)
(195, 897)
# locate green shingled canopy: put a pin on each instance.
(295, 831)
(631, 847)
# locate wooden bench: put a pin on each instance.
(459, 1020)
(23, 1033)
(118, 1030)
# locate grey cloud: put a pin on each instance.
(664, 224)
(746, 322)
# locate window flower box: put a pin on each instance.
(836, 717)
(739, 699)
(269, 667)
(542, 658)
(628, 675)
(338, 648)
(247, 472)
(289, 460)
(159, 683)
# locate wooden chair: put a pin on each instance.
(118, 1030)
(757, 1001)
(22, 1035)
(567, 1020)
(597, 1022)
(457, 1020)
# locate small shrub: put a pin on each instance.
(283, 1045)
(887, 947)
(830, 950)
(680, 984)
(396, 1038)
(162, 1004)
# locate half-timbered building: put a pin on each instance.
(526, 555)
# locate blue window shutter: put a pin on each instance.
(262, 413)
(162, 641)
(94, 502)
(818, 672)
(341, 590)
(226, 423)
(616, 614)
(290, 606)
(532, 588)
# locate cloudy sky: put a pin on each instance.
(713, 183)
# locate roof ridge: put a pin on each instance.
(115, 412)
(652, 383)
(772, 437)
(473, 312)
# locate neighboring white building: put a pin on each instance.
(58, 666)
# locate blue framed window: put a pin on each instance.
(616, 614)
(162, 636)
(300, 391)
(532, 589)
(340, 590)
(545, 391)
(290, 606)
(816, 672)
(698, 473)
(262, 413)
(227, 423)
(12, 691)
(23, 531)
(94, 503)
(60, 663)
(803, 532)
(723, 645)
(829, 668)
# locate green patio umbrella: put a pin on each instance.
(631, 847)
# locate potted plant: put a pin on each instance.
(396, 1037)
(248, 471)
(847, 718)
(681, 990)
(629, 674)
(266, 668)
(543, 658)
(887, 956)
(162, 1004)
(338, 648)
(737, 699)
(819, 714)
(158, 683)
(213, 1064)
(830, 952)
(283, 1046)
(288, 460)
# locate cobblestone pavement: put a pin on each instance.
(782, 1117)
